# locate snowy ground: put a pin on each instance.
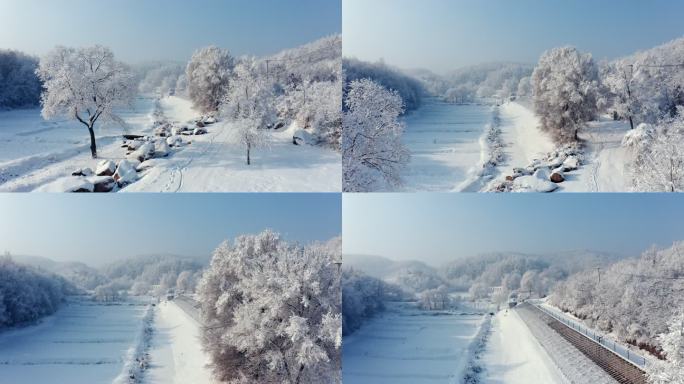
(574, 365)
(406, 345)
(603, 169)
(34, 152)
(514, 356)
(444, 143)
(84, 342)
(176, 355)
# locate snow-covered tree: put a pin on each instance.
(435, 299)
(184, 282)
(208, 76)
(658, 163)
(86, 84)
(19, 84)
(671, 370)
(249, 104)
(565, 85)
(372, 151)
(272, 311)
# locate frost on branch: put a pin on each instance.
(372, 151)
(86, 84)
(272, 311)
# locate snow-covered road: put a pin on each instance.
(514, 356)
(176, 354)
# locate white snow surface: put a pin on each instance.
(407, 345)
(444, 141)
(83, 343)
(176, 353)
(520, 131)
(35, 152)
(514, 356)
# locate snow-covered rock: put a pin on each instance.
(571, 163)
(102, 183)
(301, 136)
(557, 177)
(105, 168)
(67, 184)
(83, 172)
(146, 151)
(178, 129)
(151, 163)
(210, 120)
(161, 149)
(538, 182)
(199, 130)
(125, 173)
(174, 141)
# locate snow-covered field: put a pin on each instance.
(407, 345)
(84, 342)
(176, 354)
(514, 356)
(444, 143)
(34, 152)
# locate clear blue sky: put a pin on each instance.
(100, 228)
(440, 227)
(446, 34)
(147, 30)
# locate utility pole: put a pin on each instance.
(598, 270)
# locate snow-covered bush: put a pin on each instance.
(271, 311)
(565, 85)
(372, 152)
(634, 298)
(321, 114)
(249, 104)
(363, 296)
(409, 89)
(435, 299)
(208, 76)
(27, 294)
(19, 84)
(658, 163)
(670, 371)
(85, 84)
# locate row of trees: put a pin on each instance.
(271, 311)
(27, 294)
(19, 85)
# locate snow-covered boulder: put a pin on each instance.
(178, 129)
(146, 151)
(301, 136)
(83, 172)
(199, 130)
(67, 184)
(102, 183)
(161, 149)
(557, 176)
(538, 182)
(151, 163)
(570, 164)
(174, 141)
(105, 168)
(210, 120)
(125, 173)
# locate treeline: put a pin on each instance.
(634, 299)
(19, 84)
(409, 89)
(28, 294)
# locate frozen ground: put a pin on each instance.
(514, 356)
(444, 143)
(407, 345)
(84, 342)
(34, 152)
(176, 355)
(603, 169)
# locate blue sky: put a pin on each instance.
(446, 34)
(100, 228)
(147, 30)
(440, 227)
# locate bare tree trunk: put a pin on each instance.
(248, 148)
(631, 122)
(93, 146)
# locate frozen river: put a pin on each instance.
(444, 142)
